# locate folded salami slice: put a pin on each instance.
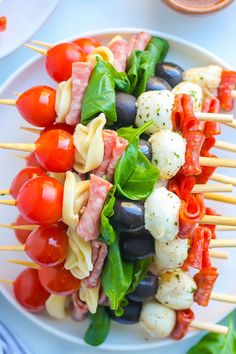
(89, 224)
(79, 309)
(120, 50)
(80, 78)
(183, 321)
(139, 41)
(205, 281)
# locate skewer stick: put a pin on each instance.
(225, 228)
(18, 146)
(9, 102)
(233, 93)
(223, 179)
(24, 263)
(223, 145)
(231, 299)
(31, 130)
(8, 202)
(218, 254)
(19, 227)
(223, 243)
(12, 248)
(4, 191)
(214, 117)
(232, 125)
(36, 49)
(204, 188)
(6, 281)
(43, 44)
(217, 162)
(20, 156)
(210, 327)
(220, 198)
(218, 220)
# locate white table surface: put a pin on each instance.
(216, 32)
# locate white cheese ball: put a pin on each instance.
(161, 210)
(156, 106)
(168, 152)
(176, 289)
(157, 320)
(208, 77)
(171, 254)
(193, 90)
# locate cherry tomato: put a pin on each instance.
(63, 126)
(57, 280)
(29, 292)
(37, 105)
(3, 23)
(88, 44)
(32, 161)
(23, 176)
(40, 200)
(22, 235)
(59, 60)
(47, 245)
(55, 150)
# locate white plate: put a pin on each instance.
(24, 18)
(121, 337)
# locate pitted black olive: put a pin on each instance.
(146, 289)
(128, 214)
(171, 73)
(131, 313)
(146, 148)
(157, 84)
(125, 109)
(137, 244)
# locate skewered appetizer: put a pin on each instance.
(112, 208)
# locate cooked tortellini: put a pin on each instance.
(193, 90)
(156, 106)
(79, 255)
(176, 289)
(63, 100)
(103, 53)
(56, 306)
(89, 144)
(171, 254)
(157, 320)
(208, 77)
(90, 296)
(162, 214)
(168, 152)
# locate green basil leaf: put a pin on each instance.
(99, 328)
(139, 272)
(158, 48)
(132, 68)
(106, 229)
(100, 95)
(130, 133)
(121, 79)
(214, 343)
(116, 276)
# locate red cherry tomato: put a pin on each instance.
(29, 292)
(23, 176)
(22, 235)
(40, 200)
(55, 150)
(3, 23)
(57, 280)
(47, 245)
(37, 105)
(32, 161)
(59, 60)
(63, 126)
(88, 44)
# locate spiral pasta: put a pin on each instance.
(63, 100)
(89, 145)
(56, 306)
(90, 296)
(79, 255)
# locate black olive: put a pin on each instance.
(157, 84)
(146, 148)
(125, 109)
(171, 73)
(146, 289)
(128, 214)
(131, 313)
(138, 244)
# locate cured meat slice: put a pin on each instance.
(139, 41)
(120, 50)
(109, 139)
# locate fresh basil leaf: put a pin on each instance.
(130, 133)
(132, 68)
(116, 276)
(99, 328)
(106, 229)
(214, 343)
(121, 79)
(100, 95)
(158, 48)
(139, 272)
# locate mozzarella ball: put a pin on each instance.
(168, 152)
(176, 289)
(208, 77)
(193, 90)
(171, 254)
(156, 106)
(157, 320)
(161, 211)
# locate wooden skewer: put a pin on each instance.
(204, 188)
(223, 297)
(4, 191)
(8, 202)
(224, 179)
(24, 263)
(223, 145)
(220, 198)
(9, 102)
(18, 94)
(36, 49)
(31, 130)
(218, 254)
(223, 243)
(12, 248)
(43, 44)
(6, 281)
(18, 146)
(20, 156)
(19, 227)
(233, 93)
(210, 327)
(217, 162)
(225, 228)
(214, 117)
(218, 220)
(232, 125)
